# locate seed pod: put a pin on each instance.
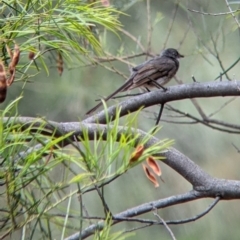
(3, 83)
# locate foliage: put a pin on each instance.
(51, 171)
(31, 153)
(67, 27)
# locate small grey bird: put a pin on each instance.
(155, 72)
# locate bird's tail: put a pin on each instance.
(123, 88)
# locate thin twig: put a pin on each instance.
(105, 206)
(207, 122)
(103, 184)
(216, 55)
(172, 222)
(220, 76)
(199, 109)
(113, 69)
(137, 228)
(114, 58)
(164, 223)
(184, 37)
(128, 34)
(194, 101)
(209, 208)
(200, 40)
(214, 14)
(87, 215)
(174, 13)
(80, 199)
(232, 13)
(110, 58)
(238, 150)
(221, 107)
(194, 79)
(149, 26)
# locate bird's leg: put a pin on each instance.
(157, 85)
(147, 89)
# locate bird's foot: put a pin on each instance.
(164, 88)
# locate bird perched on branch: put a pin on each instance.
(155, 72)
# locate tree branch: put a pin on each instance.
(204, 186)
(173, 93)
(200, 180)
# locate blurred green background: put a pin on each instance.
(68, 97)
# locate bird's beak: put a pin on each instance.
(180, 56)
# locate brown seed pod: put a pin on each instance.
(154, 166)
(12, 65)
(31, 55)
(60, 64)
(136, 154)
(150, 176)
(3, 82)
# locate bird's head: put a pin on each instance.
(171, 52)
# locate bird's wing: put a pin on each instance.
(154, 70)
(138, 67)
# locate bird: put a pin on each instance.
(155, 72)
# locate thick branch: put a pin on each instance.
(174, 93)
(204, 186)
(201, 181)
